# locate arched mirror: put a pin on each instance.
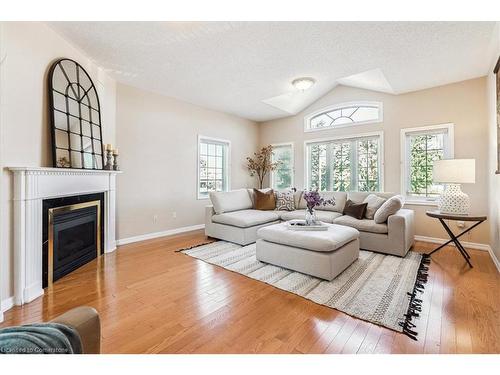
(76, 117)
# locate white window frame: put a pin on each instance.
(292, 162)
(405, 158)
(381, 159)
(227, 165)
(308, 118)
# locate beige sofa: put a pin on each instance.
(232, 218)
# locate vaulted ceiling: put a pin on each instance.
(246, 68)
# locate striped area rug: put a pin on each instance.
(378, 288)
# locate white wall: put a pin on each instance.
(494, 179)
(26, 51)
(462, 103)
(158, 138)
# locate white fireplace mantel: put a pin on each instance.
(31, 186)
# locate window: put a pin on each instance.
(345, 164)
(345, 114)
(213, 166)
(420, 148)
(282, 178)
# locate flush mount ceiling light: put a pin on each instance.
(303, 83)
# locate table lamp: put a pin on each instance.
(454, 172)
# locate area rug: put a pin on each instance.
(378, 288)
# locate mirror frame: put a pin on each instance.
(79, 93)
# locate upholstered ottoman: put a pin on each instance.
(323, 254)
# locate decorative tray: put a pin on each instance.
(300, 225)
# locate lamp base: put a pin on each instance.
(454, 201)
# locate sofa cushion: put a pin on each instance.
(340, 198)
(252, 195)
(230, 201)
(297, 196)
(335, 237)
(245, 218)
(374, 202)
(285, 200)
(324, 216)
(359, 196)
(390, 207)
(264, 201)
(363, 225)
(356, 210)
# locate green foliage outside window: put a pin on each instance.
(283, 175)
(424, 150)
(344, 165)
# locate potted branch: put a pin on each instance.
(261, 164)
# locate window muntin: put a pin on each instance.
(344, 115)
(352, 164)
(212, 166)
(422, 146)
(282, 178)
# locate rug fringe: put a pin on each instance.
(415, 306)
(197, 245)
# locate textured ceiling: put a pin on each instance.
(235, 66)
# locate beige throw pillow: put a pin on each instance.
(374, 203)
(390, 207)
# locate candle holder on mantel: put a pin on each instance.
(115, 160)
(109, 160)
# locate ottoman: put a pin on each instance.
(323, 254)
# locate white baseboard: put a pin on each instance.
(494, 259)
(6, 304)
(470, 245)
(165, 233)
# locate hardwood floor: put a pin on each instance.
(154, 300)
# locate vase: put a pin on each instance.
(310, 217)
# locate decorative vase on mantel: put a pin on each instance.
(310, 216)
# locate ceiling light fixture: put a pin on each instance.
(303, 83)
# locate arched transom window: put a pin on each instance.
(345, 114)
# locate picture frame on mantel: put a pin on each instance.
(497, 85)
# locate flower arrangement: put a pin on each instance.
(313, 200)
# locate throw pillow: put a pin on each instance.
(285, 201)
(356, 210)
(264, 201)
(374, 203)
(388, 208)
(252, 195)
(297, 195)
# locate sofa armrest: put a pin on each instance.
(401, 227)
(85, 320)
(209, 212)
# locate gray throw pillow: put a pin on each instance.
(374, 203)
(285, 201)
(388, 208)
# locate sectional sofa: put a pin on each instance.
(231, 217)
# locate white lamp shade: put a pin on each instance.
(454, 171)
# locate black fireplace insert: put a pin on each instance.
(72, 234)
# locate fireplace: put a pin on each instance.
(36, 190)
(72, 234)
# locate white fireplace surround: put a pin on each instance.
(31, 186)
